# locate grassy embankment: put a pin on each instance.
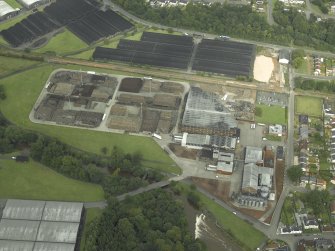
(32, 180)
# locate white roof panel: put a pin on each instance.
(23, 210)
(62, 211)
(5, 8)
(29, 2)
(58, 232)
(20, 230)
(47, 246)
(6, 245)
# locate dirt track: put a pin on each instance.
(160, 73)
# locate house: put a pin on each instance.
(321, 184)
(276, 130)
(323, 243)
(311, 180)
(310, 223)
(303, 119)
(284, 56)
(332, 208)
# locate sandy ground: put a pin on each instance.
(263, 68)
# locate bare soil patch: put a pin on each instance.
(263, 68)
(183, 152)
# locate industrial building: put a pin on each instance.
(39, 225)
(284, 56)
(225, 163)
(198, 141)
(30, 4)
(6, 11)
(205, 114)
(257, 179)
(253, 155)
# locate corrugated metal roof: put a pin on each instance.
(23, 210)
(6, 245)
(62, 211)
(28, 3)
(58, 232)
(5, 8)
(44, 246)
(21, 230)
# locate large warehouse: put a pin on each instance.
(6, 11)
(205, 114)
(40, 225)
(30, 4)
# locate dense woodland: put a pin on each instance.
(117, 173)
(241, 22)
(315, 85)
(150, 221)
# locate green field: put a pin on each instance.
(311, 106)
(63, 43)
(27, 86)
(84, 55)
(304, 67)
(91, 214)
(8, 65)
(271, 114)
(34, 181)
(14, 4)
(241, 230)
(13, 21)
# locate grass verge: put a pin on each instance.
(63, 43)
(32, 180)
(91, 214)
(8, 65)
(311, 106)
(14, 4)
(271, 114)
(242, 231)
(13, 21)
(26, 87)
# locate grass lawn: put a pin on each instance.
(32, 180)
(27, 86)
(271, 114)
(63, 43)
(11, 64)
(137, 36)
(91, 214)
(3, 41)
(164, 31)
(241, 230)
(13, 21)
(311, 106)
(84, 55)
(304, 67)
(14, 4)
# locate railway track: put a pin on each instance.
(162, 73)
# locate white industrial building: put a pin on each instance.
(39, 225)
(6, 11)
(257, 178)
(284, 56)
(199, 141)
(30, 4)
(253, 155)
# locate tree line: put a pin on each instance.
(117, 173)
(241, 22)
(149, 221)
(315, 85)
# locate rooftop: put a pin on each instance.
(204, 109)
(253, 154)
(5, 8)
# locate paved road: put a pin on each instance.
(269, 12)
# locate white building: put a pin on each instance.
(6, 11)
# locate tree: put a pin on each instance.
(294, 173)
(104, 150)
(258, 112)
